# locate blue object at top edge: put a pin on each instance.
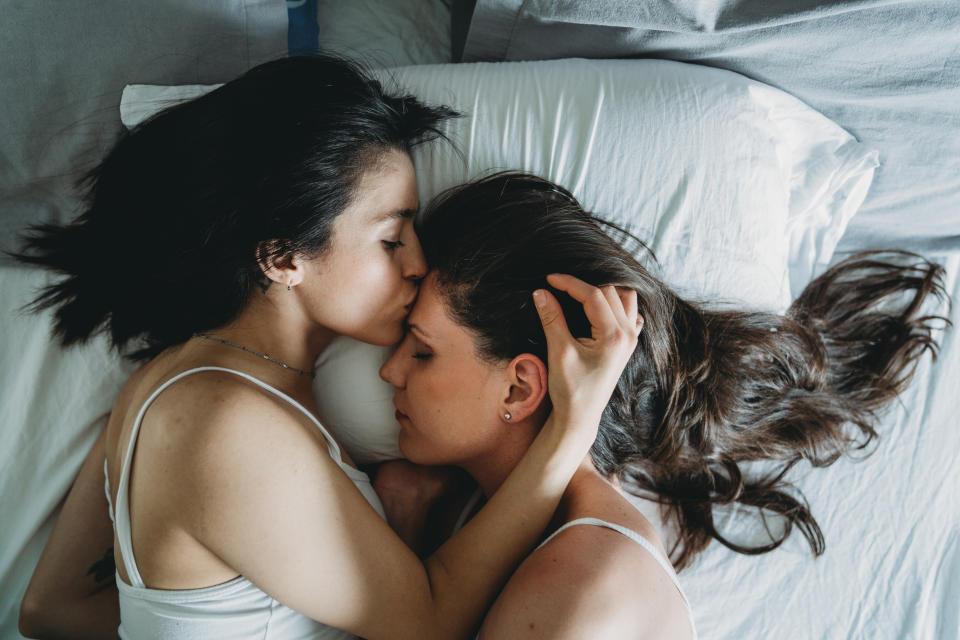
(303, 33)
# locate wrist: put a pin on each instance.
(574, 430)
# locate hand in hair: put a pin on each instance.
(584, 371)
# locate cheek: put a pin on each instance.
(373, 295)
(372, 281)
(432, 394)
(450, 408)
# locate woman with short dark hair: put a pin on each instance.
(226, 241)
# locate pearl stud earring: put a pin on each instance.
(506, 416)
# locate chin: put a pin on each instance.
(403, 443)
(411, 452)
(384, 336)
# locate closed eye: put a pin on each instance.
(391, 245)
(422, 356)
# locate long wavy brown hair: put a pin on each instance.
(706, 390)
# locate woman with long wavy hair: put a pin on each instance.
(705, 393)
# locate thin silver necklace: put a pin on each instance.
(256, 353)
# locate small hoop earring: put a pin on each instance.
(507, 416)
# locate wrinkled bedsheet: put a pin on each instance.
(887, 71)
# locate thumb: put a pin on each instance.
(551, 317)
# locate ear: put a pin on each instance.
(283, 267)
(527, 377)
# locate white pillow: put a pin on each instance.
(354, 403)
(726, 179)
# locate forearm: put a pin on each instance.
(93, 617)
(72, 592)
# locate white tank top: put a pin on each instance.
(235, 609)
(477, 496)
(643, 542)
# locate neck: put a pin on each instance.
(283, 333)
(510, 443)
(492, 470)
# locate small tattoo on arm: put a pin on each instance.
(104, 568)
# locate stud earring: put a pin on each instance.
(288, 287)
(507, 416)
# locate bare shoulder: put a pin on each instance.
(226, 479)
(213, 414)
(213, 434)
(588, 581)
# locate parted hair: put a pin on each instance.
(706, 391)
(181, 209)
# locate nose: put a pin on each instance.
(392, 371)
(415, 264)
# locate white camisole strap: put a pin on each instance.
(121, 515)
(643, 542)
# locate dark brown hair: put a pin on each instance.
(166, 246)
(706, 391)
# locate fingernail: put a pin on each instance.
(538, 298)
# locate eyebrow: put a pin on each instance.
(413, 327)
(404, 214)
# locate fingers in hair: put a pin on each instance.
(551, 317)
(628, 298)
(596, 306)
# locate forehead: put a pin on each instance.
(431, 318)
(429, 314)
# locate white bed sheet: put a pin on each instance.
(53, 403)
(891, 521)
(63, 66)
(386, 33)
